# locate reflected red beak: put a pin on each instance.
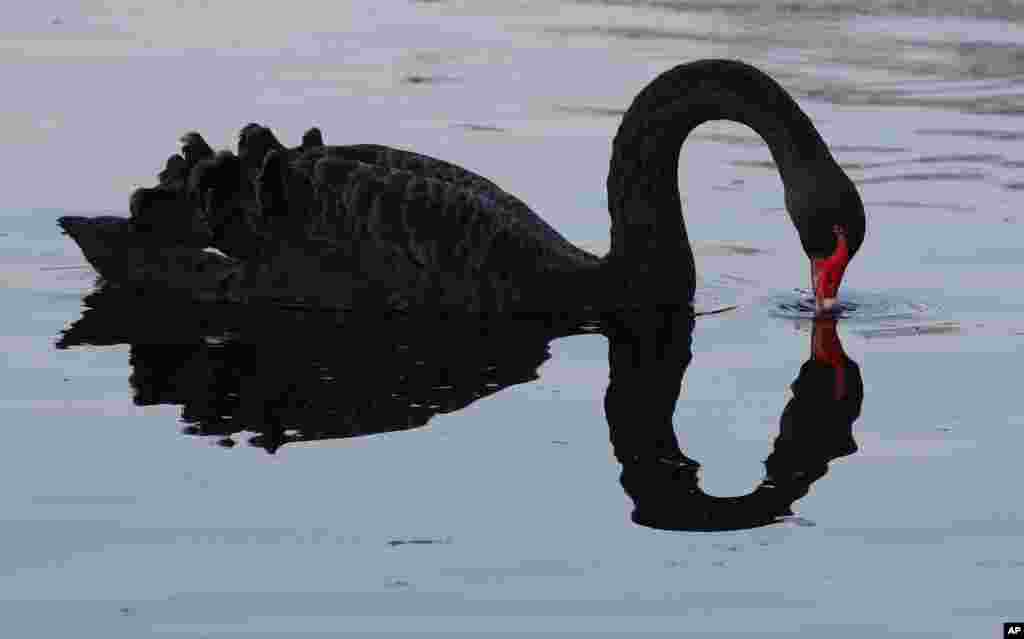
(827, 274)
(828, 350)
(825, 343)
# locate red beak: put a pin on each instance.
(827, 274)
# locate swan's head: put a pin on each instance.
(831, 223)
(827, 272)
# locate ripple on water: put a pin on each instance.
(854, 306)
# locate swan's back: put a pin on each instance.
(352, 226)
(420, 231)
(456, 187)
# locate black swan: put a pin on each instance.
(368, 226)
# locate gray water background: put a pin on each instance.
(117, 525)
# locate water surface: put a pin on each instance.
(142, 496)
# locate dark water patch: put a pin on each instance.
(420, 541)
(938, 176)
(591, 110)
(680, 7)
(1001, 105)
(1014, 186)
(980, 158)
(428, 79)
(76, 267)
(630, 33)
(907, 204)
(989, 159)
(849, 94)
(863, 166)
(754, 164)
(849, 166)
(867, 148)
(797, 521)
(478, 127)
(726, 138)
(981, 134)
(969, 60)
(929, 86)
(729, 248)
(852, 305)
(908, 330)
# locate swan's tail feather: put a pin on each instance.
(122, 255)
(194, 148)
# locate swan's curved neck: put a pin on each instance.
(643, 190)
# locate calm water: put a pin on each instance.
(128, 512)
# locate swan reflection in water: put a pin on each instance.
(648, 354)
(299, 376)
(305, 376)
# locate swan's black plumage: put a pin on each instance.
(175, 173)
(194, 148)
(341, 225)
(254, 143)
(157, 212)
(312, 139)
